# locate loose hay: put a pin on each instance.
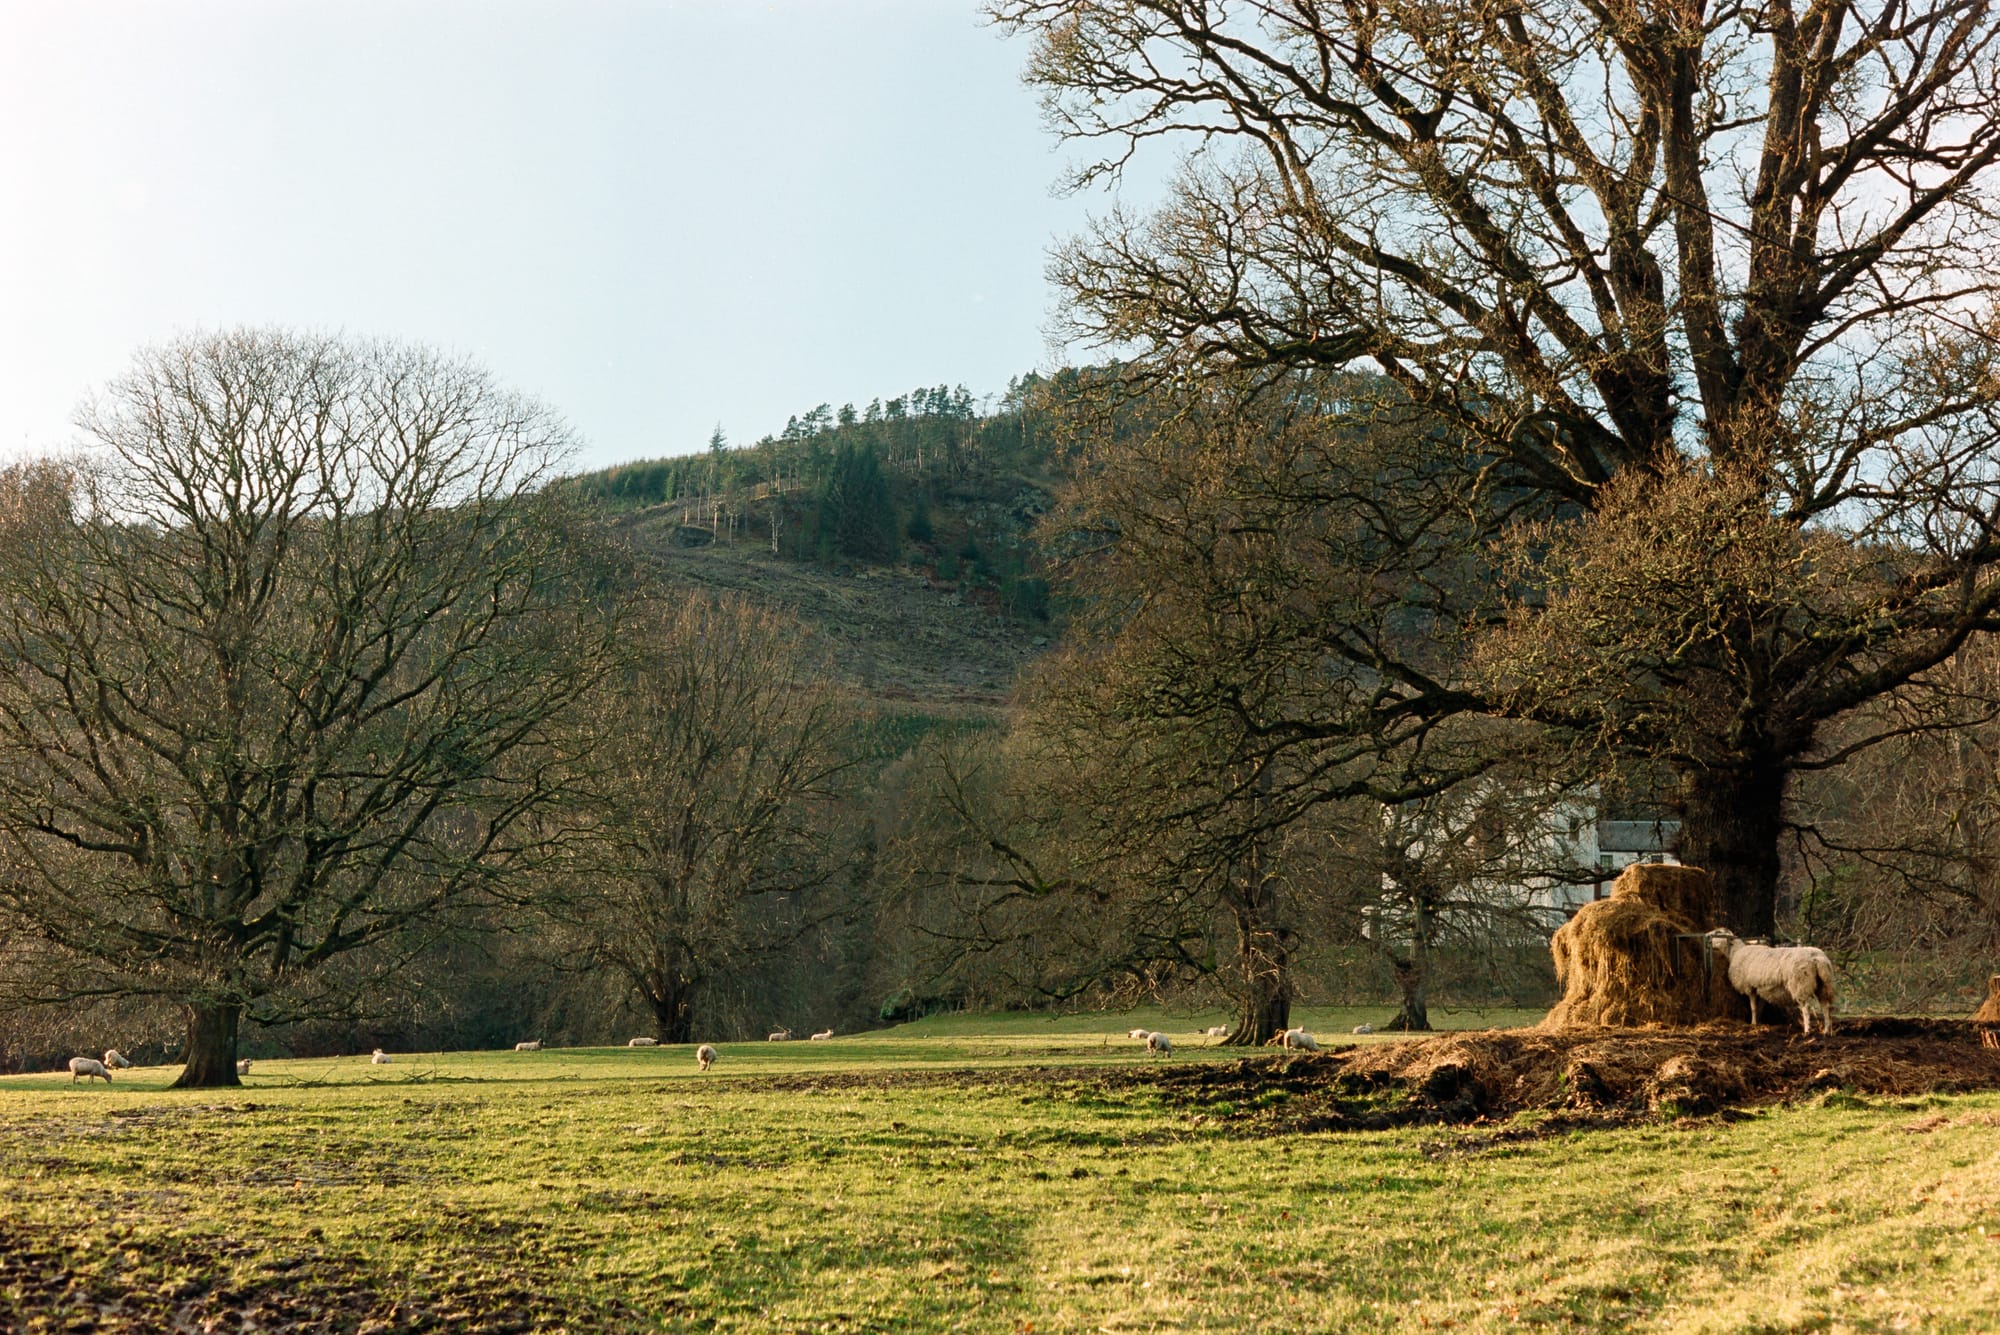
(1627, 961)
(1987, 1018)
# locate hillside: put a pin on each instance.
(895, 632)
(904, 535)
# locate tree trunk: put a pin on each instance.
(211, 1046)
(1413, 979)
(1267, 981)
(672, 1004)
(1413, 975)
(1731, 820)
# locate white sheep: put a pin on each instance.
(87, 1066)
(243, 1067)
(780, 1036)
(822, 1036)
(642, 1042)
(1364, 1028)
(1298, 1040)
(380, 1058)
(704, 1056)
(532, 1045)
(115, 1060)
(1799, 976)
(1217, 1031)
(1160, 1043)
(1137, 1033)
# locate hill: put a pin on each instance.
(904, 535)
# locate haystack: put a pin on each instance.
(1987, 1018)
(1627, 961)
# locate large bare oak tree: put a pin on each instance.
(285, 654)
(1727, 261)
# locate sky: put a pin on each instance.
(656, 216)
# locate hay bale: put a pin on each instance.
(1987, 1018)
(1626, 962)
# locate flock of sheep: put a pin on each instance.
(1797, 976)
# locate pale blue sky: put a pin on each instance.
(653, 216)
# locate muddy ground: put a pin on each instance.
(1583, 1076)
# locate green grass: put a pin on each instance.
(615, 1189)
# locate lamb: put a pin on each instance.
(1217, 1031)
(115, 1060)
(780, 1036)
(1160, 1043)
(704, 1056)
(532, 1045)
(1294, 1040)
(642, 1042)
(380, 1058)
(1137, 1033)
(822, 1036)
(87, 1066)
(1800, 976)
(243, 1068)
(1364, 1028)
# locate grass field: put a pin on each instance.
(937, 1177)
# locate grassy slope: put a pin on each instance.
(614, 1189)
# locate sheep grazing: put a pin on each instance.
(1160, 1043)
(1137, 1033)
(642, 1042)
(532, 1045)
(1217, 1031)
(704, 1056)
(1800, 976)
(380, 1058)
(243, 1067)
(87, 1066)
(822, 1036)
(115, 1060)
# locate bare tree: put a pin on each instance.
(1732, 255)
(714, 836)
(286, 659)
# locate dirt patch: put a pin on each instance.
(1584, 1077)
(50, 1281)
(1587, 1077)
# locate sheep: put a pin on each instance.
(1160, 1043)
(642, 1042)
(243, 1068)
(1137, 1033)
(532, 1045)
(822, 1036)
(1801, 976)
(780, 1036)
(1297, 1040)
(115, 1060)
(87, 1066)
(380, 1058)
(1217, 1031)
(704, 1056)
(1364, 1028)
